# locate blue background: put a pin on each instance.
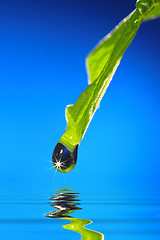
(43, 46)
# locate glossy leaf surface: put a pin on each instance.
(102, 63)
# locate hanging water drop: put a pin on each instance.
(64, 159)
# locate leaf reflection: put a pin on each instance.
(66, 203)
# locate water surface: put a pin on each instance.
(118, 215)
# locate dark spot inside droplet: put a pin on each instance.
(64, 159)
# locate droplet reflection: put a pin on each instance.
(64, 159)
(65, 203)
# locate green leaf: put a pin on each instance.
(102, 63)
(78, 225)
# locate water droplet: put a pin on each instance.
(64, 159)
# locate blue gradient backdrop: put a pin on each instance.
(43, 45)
